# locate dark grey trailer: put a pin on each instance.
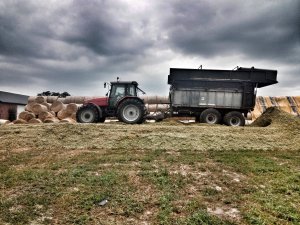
(215, 95)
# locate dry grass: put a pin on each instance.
(162, 173)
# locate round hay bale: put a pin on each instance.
(28, 107)
(19, 121)
(68, 120)
(26, 115)
(157, 107)
(73, 116)
(22, 115)
(38, 108)
(67, 100)
(44, 115)
(62, 114)
(48, 105)
(51, 120)
(29, 116)
(34, 121)
(57, 106)
(79, 99)
(4, 121)
(53, 113)
(51, 99)
(72, 108)
(156, 99)
(31, 99)
(40, 99)
(63, 100)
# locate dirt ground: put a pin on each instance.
(153, 173)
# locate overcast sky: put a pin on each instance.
(76, 45)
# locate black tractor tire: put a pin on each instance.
(210, 116)
(87, 114)
(234, 119)
(131, 111)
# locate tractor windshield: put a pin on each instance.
(117, 91)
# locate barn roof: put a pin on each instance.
(7, 97)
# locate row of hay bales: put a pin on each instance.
(156, 103)
(153, 103)
(66, 100)
(51, 109)
(39, 110)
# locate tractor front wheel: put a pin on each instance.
(131, 111)
(87, 114)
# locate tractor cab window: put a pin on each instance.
(131, 90)
(118, 91)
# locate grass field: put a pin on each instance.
(154, 173)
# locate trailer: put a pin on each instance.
(216, 96)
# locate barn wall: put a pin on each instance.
(8, 111)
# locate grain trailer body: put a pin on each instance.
(210, 95)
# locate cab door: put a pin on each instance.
(117, 92)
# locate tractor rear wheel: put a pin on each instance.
(87, 114)
(131, 111)
(210, 116)
(234, 119)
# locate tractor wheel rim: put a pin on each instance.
(211, 118)
(87, 116)
(131, 113)
(235, 121)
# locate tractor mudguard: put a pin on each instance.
(130, 97)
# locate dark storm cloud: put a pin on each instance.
(103, 28)
(74, 45)
(13, 39)
(261, 29)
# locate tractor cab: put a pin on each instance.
(120, 90)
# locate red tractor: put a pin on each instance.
(122, 102)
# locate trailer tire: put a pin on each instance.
(210, 116)
(87, 114)
(131, 111)
(234, 119)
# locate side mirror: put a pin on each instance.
(104, 84)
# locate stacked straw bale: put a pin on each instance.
(48, 109)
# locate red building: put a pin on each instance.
(11, 105)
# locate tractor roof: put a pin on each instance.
(125, 82)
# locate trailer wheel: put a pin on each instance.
(234, 119)
(131, 111)
(210, 116)
(87, 114)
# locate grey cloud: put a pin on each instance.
(102, 28)
(265, 30)
(16, 37)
